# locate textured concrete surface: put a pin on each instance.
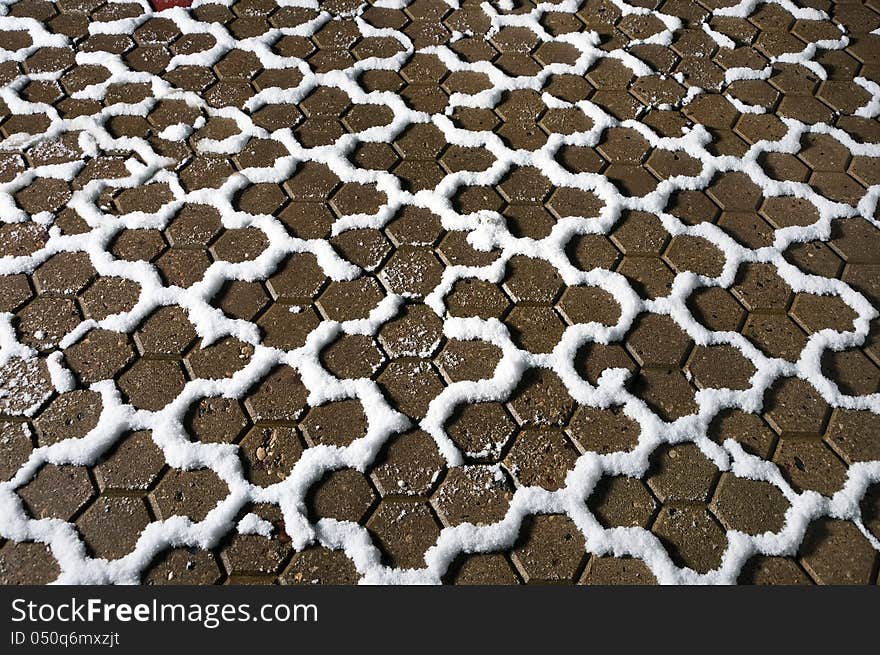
(82, 136)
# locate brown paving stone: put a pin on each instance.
(111, 525)
(16, 444)
(25, 385)
(483, 569)
(853, 435)
(622, 502)
(541, 458)
(691, 536)
(603, 430)
(794, 408)
(540, 399)
(99, 355)
(750, 506)
(133, 464)
(41, 497)
(320, 566)
(681, 473)
(279, 396)
(404, 531)
(344, 495)
(181, 567)
(476, 494)
(409, 465)
(27, 563)
(220, 359)
(539, 430)
(617, 570)
(70, 415)
(187, 493)
(352, 356)
(410, 385)
(269, 453)
(763, 570)
(335, 423)
(152, 383)
(249, 554)
(835, 552)
(550, 550)
(809, 464)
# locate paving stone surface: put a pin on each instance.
(570, 292)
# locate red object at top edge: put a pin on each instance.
(160, 5)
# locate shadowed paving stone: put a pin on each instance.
(750, 506)
(550, 550)
(835, 552)
(404, 531)
(181, 566)
(344, 495)
(762, 570)
(622, 502)
(269, 453)
(152, 383)
(691, 536)
(478, 494)
(99, 355)
(132, 465)
(188, 493)
(541, 458)
(617, 570)
(256, 554)
(320, 566)
(41, 497)
(483, 569)
(409, 465)
(111, 526)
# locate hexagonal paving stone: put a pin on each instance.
(344, 495)
(551, 549)
(477, 494)
(188, 493)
